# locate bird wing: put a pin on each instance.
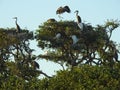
(80, 25)
(18, 28)
(79, 19)
(67, 9)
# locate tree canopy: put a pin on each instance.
(89, 55)
(94, 45)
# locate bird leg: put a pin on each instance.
(60, 17)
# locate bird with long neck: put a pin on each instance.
(79, 21)
(80, 25)
(18, 29)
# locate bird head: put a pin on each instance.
(76, 11)
(15, 18)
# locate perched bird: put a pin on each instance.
(75, 39)
(18, 29)
(78, 17)
(61, 10)
(51, 20)
(58, 35)
(79, 21)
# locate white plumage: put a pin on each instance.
(80, 25)
(58, 35)
(75, 39)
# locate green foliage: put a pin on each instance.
(94, 58)
(85, 78)
(92, 61)
(48, 30)
(93, 47)
(16, 58)
(12, 83)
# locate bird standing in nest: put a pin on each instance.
(79, 21)
(18, 29)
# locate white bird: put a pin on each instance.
(75, 39)
(58, 35)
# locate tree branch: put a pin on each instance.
(45, 74)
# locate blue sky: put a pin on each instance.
(32, 13)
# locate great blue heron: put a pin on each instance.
(18, 29)
(62, 10)
(79, 21)
(78, 17)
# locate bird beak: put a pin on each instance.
(76, 11)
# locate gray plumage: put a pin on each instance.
(18, 29)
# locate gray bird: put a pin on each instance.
(18, 29)
(79, 21)
(61, 10)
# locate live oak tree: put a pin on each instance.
(93, 45)
(16, 59)
(91, 57)
(92, 60)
